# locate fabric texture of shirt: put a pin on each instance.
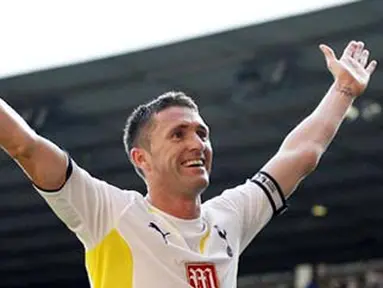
(130, 243)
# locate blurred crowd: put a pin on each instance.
(368, 279)
(347, 275)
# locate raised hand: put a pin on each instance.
(351, 70)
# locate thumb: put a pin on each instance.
(328, 54)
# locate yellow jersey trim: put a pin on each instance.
(110, 263)
(202, 243)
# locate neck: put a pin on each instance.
(180, 207)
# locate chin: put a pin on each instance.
(201, 184)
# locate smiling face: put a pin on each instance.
(180, 156)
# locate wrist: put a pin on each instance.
(346, 89)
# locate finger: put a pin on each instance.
(371, 67)
(364, 58)
(358, 50)
(328, 53)
(350, 49)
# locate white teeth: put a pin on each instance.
(193, 163)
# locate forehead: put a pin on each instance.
(174, 116)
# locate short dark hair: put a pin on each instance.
(136, 132)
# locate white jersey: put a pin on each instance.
(130, 243)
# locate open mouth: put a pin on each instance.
(194, 163)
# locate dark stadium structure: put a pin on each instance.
(253, 86)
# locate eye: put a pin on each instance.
(178, 134)
(202, 134)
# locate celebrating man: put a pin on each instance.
(168, 238)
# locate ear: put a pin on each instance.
(140, 158)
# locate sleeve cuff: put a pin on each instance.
(272, 190)
(69, 171)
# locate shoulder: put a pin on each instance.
(230, 195)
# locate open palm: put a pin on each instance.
(351, 69)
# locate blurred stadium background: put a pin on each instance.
(253, 83)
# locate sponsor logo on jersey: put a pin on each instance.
(202, 275)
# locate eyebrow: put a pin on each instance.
(185, 126)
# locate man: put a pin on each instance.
(168, 238)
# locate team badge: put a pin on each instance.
(223, 235)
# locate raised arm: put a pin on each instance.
(43, 162)
(302, 149)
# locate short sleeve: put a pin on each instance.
(88, 206)
(251, 205)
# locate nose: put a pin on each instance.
(197, 143)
